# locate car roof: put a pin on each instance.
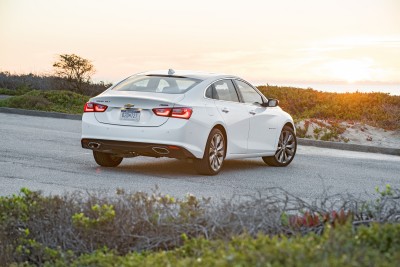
(189, 74)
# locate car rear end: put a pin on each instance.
(144, 115)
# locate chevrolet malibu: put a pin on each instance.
(203, 117)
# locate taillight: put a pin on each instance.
(89, 107)
(99, 108)
(180, 113)
(94, 107)
(164, 112)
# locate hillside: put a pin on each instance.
(376, 109)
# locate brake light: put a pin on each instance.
(94, 107)
(99, 108)
(180, 113)
(164, 112)
(89, 107)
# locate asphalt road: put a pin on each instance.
(45, 154)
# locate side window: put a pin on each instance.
(210, 92)
(224, 90)
(248, 93)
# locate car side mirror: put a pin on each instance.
(270, 103)
(273, 102)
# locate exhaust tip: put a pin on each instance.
(93, 145)
(161, 150)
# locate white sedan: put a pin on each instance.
(204, 117)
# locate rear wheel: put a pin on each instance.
(214, 155)
(106, 159)
(286, 151)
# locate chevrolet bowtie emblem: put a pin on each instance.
(129, 106)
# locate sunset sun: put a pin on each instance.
(351, 70)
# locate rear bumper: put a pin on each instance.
(129, 149)
(189, 135)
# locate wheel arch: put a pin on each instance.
(291, 125)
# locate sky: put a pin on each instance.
(313, 43)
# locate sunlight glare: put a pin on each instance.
(351, 70)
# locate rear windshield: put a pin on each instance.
(157, 84)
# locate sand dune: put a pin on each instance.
(349, 132)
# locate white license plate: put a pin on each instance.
(130, 115)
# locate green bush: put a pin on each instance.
(39, 229)
(19, 91)
(57, 101)
(377, 245)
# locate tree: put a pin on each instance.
(75, 69)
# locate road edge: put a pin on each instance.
(39, 113)
(351, 147)
(301, 141)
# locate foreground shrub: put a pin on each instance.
(378, 245)
(38, 229)
(57, 101)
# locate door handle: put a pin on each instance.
(252, 112)
(226, 110)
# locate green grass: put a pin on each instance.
(54, 100)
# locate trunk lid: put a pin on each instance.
(129, 108)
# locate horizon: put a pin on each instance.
(334, 45)
(391, 89)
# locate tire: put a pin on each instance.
(287, 146)
(214, 154)
(106, 159)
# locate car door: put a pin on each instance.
(263, 120)
(234, 114)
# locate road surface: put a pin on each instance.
(45, 154)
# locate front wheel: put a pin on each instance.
(106, 159)
(286, 151)
(214, 155)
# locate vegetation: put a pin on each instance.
(373, 246)
(325, 130)
(376, 109)
(27, 82)
(74, 69)
(140, 229)
(57, 101)
(11, 92)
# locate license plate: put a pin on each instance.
(130, 115)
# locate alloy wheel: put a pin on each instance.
(286, 147)
(216, 152)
